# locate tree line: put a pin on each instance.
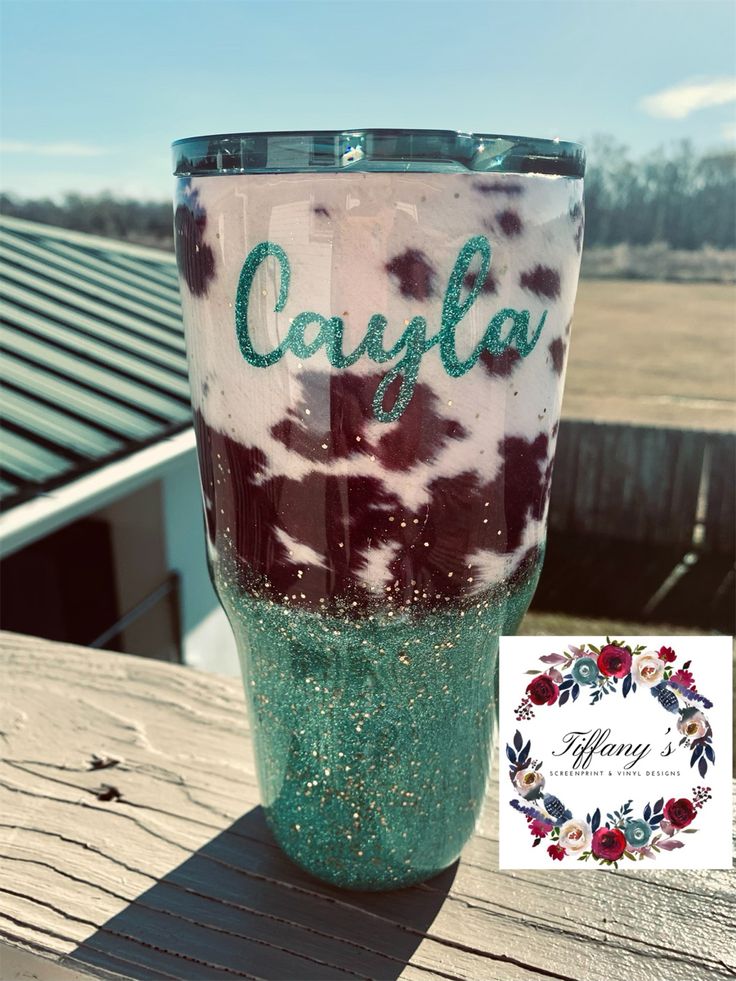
(673, 196)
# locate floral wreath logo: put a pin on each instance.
(623, 834)
(601, 669)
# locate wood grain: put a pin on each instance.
(178, 877)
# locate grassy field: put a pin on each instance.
(653, 352)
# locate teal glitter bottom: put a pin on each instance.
(372, 733)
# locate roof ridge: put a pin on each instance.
(86, 239)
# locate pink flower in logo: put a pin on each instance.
(684, 678)
(540, 829)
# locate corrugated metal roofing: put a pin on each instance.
(92, 360)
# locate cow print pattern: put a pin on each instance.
(414, 274)
(343, 430)
(194, 257)
(431, 548)
(543, 281)
(557, 354)
(509, 223)
(319, 504)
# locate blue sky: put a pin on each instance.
(95, 90)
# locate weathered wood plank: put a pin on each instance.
(637, 483)
(720, 516)
(179, 877)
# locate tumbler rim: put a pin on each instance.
(386, 150)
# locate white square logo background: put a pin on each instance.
(640, 720)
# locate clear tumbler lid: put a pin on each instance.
(423, 150)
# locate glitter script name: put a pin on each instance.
(409, 349)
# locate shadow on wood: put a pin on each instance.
(239, 908)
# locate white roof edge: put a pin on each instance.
(34, 519)
(83, 238)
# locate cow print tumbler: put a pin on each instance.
(377, 325)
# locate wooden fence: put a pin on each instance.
(646, 484)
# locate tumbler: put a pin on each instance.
(377, 324)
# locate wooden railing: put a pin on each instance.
(132, 845)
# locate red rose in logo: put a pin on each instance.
(679, 812)
(667, 654)
(554, 851)
(614, 662)
(608, 843)
(542, 690)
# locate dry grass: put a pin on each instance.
(653, 353)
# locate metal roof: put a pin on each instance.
(92, 360)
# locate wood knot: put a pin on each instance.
(102, 762)
(107, 792)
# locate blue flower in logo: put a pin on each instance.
(637, 832)
(585, 671)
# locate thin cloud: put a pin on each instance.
(728, 132)
(680, 100)
(52, 149)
